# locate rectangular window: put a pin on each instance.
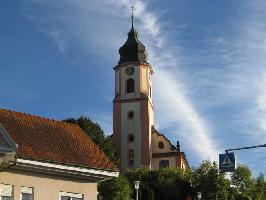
(6, 192)
(26, 193)
(70, 196)
(163, 164)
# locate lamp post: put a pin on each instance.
(136, 183)
(199, 195)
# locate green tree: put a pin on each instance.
(167, 184)
(247, 188)
(95, 132)
(210, 182)
(259, 192)
(242, 179)
(117, 188)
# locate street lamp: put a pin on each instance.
(199, 195)
(136, 183)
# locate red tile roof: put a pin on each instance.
(53, 141)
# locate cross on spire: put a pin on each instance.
(132, 16)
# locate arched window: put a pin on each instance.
(131, 138)
(161, 145)
(130, 157)
(163, 164)
(130, 114)
(130, 85)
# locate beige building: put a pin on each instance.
(137, 142)
(43, 159)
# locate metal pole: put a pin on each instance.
(137, 194)
(252, 147)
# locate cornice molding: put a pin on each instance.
(64, 170)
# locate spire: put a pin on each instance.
(133, 50)
(132, 17)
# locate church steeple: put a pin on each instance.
(133, 106)
(133, 50)
(132, 17)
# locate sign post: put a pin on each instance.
(227, 162)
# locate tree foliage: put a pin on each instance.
(167, 184)
(247, 187)
(95, 132)
(177, 184)
(241, 186)
(242, 178)
(209, 182)
(117, 188)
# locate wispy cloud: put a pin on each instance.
(261, 103)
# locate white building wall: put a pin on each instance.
(130, 126)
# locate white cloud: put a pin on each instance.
(176, 111)
(261, 103)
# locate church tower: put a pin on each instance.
(133, 111)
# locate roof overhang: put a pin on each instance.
(8, 149)
(77, 172)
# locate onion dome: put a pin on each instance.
(133, 50)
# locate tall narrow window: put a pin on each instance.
(130, 85)
(131, 158)
(26, 193)
(6, 192)
(163, 164)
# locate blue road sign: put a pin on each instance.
(227, 162)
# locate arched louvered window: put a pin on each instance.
(130, 157)
(130, 85)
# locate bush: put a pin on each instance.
(166, 184)
(117, 188)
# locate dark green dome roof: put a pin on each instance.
(133, 50)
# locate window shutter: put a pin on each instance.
(6, 190)
(26, 190)
(72, 195)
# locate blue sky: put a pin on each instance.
(209, 58)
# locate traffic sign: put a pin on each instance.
(227, 162)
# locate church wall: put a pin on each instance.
(124, 78)
(47, 187)
(117, 126)
(117, 82)
(130, 126)
(155, 140)
(144, 80)
(145, 134)
(172, 162)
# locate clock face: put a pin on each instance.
(130, 71)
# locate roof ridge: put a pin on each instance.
(40, 117)
(163, 135)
